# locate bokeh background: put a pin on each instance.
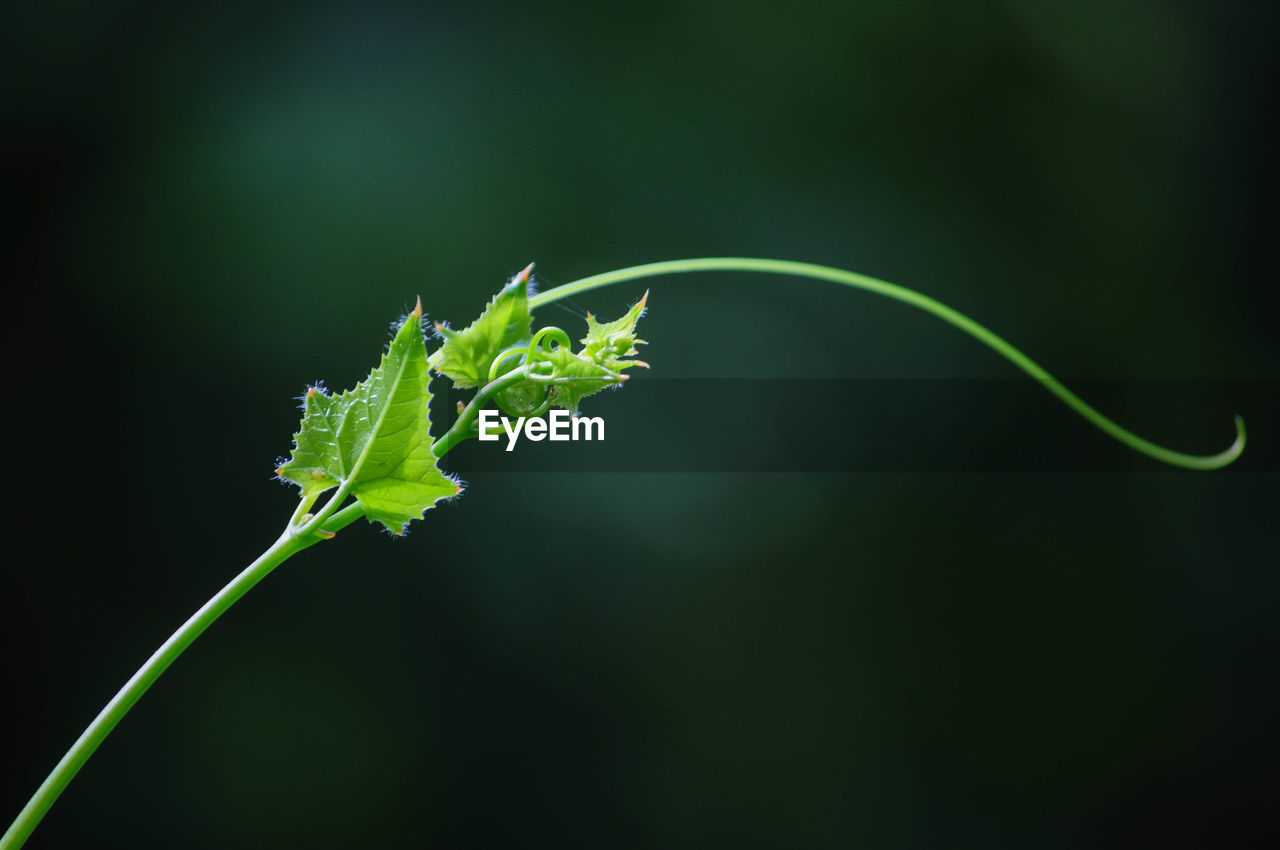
(209, 208)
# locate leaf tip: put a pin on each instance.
(524, 275)
(458, 486)
(417, 310)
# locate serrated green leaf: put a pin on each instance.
(467, 354)
(375, 437)
(315, 445)
(606, 342)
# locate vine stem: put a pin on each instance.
(27, 820)
(461, 429)
(922, 302)
(294, 539)
(299, 535)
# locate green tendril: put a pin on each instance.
(535, 351)
(504, 356)
(922, 302)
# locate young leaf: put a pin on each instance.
(375, 438)
(467, 354)
(577, 377)
(574, 376)
(315, 465)
(606, 343)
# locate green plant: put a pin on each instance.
(369, 451)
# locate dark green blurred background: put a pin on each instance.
(210, 208)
